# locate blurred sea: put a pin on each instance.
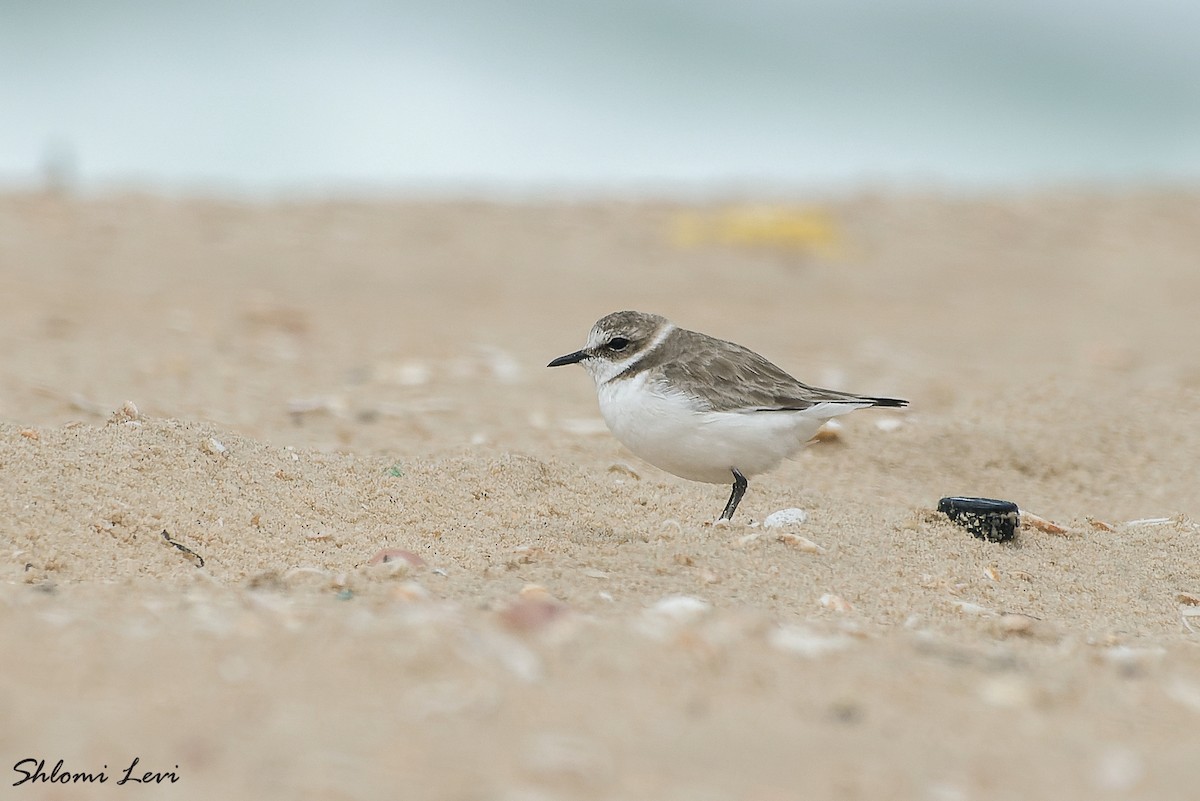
(623, 95)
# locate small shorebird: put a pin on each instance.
(700, 407)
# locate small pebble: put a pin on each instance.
(410, 592)
(396, 555)
(531, 614)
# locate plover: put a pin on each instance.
(700, 407)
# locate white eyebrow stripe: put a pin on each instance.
(659, 338)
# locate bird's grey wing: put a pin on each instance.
(726, 377)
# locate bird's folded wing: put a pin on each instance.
(731, 378)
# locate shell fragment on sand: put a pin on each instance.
(785, 517)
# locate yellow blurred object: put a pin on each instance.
(805, 230)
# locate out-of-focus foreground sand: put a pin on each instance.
(317, 382)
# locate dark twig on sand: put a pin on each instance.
(199, 559)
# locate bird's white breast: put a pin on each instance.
(669, 430)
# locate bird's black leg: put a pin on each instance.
(739, 489)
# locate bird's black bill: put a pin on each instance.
(570, 358)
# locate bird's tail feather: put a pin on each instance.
(887, 402)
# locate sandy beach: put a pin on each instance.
(290, 506)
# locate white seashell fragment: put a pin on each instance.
(1148, 521)
(1007, 692)
(679, 608)
(889, 424)
(836, 603)
(802, 544)
(407, 373)
(1130, 658)
(785, 517)
(670, 614)
(1040, 523)
(966, 607)
(1186, 613)
(623, 469)
(831, 431)
(127, 414)
(805, 642)
(520, 660)
(1118, 770)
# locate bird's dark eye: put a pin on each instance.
(618, 343)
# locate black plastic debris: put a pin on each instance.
(986, 518)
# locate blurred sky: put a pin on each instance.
(260, 96)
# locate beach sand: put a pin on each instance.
(430, 573)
